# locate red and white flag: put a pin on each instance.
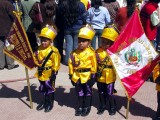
(133, 55)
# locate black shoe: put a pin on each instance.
(101, 110)
(15, 66)
(40, 106)
(1, 68)
(78, 112)
(150, 79)
(112, 111)
(48, 108)
(156, 118)
(65, 63)
(85, 111)
(114, 91)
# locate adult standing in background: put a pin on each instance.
(124, 14)
(26, 6)
(98, 16)
(59, 40)
(6, 21)
(48, 10)
(73, 14)
(113, 7)
(150, 19)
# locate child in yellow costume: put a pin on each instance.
(82, 69)
(47, 59)
(106, 75)
(156, 78)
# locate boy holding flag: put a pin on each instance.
(106, 75)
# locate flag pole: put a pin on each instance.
(127, 111)
(17, 9)
(26, 70)
(129, 99)
(29, 90)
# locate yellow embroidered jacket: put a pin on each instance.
(53, 61)
(105, 67)
(156, 73)
(80, 60)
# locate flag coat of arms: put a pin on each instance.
(133, 55)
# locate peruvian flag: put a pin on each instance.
(133, 55)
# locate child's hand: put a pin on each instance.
(70, 76)
(157, 80)
(53, 76)
(92, 81)
(73, 83)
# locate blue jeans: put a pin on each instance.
(154, 42)
(97, 34)
(158, 35)
(71, 37)
(158, 39)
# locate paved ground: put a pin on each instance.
(15, 104)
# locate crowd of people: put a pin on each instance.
(80, 24)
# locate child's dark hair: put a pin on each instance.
(96, 3)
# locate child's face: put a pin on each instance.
(45, 42)
(83, 43)
(105, 43)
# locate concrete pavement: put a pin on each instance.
(14, 100)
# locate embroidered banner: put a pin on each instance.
(17, 45)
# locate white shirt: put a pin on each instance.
(122, 3)
(155, 16)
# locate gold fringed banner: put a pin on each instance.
(17, 45)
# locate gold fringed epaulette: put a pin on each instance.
(92, 49)
(54, 49)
